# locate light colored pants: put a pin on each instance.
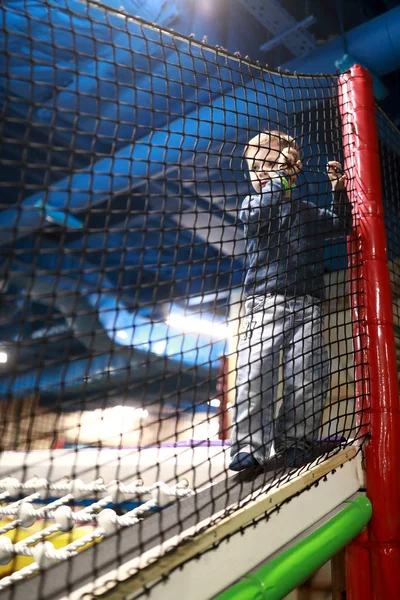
(294, 325)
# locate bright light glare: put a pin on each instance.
(3, 357)
(206, 431)
(160, 347)
(107, 425)
(122, 334)
(193, 325)
(214, 402)
(128, 412)
(140, 413)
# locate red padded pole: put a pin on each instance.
(358, 570)
(377, 394)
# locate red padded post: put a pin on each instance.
(374, 558)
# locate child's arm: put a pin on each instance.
(257, 208)
(337, 221)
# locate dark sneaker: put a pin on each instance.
(275, 463)
(243, 461)
(297, 456)
(263, 473)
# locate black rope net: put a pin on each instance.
(174, 300)
(389, 153)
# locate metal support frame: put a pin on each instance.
(373, 559)
(280, 39)
(279, 22)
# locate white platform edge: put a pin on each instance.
(216, 570)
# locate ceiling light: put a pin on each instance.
(201, 326)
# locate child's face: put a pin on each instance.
(262, 162)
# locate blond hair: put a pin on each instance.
(269, 139)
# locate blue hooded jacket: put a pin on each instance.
(285, 240)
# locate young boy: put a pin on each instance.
(284, 288)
